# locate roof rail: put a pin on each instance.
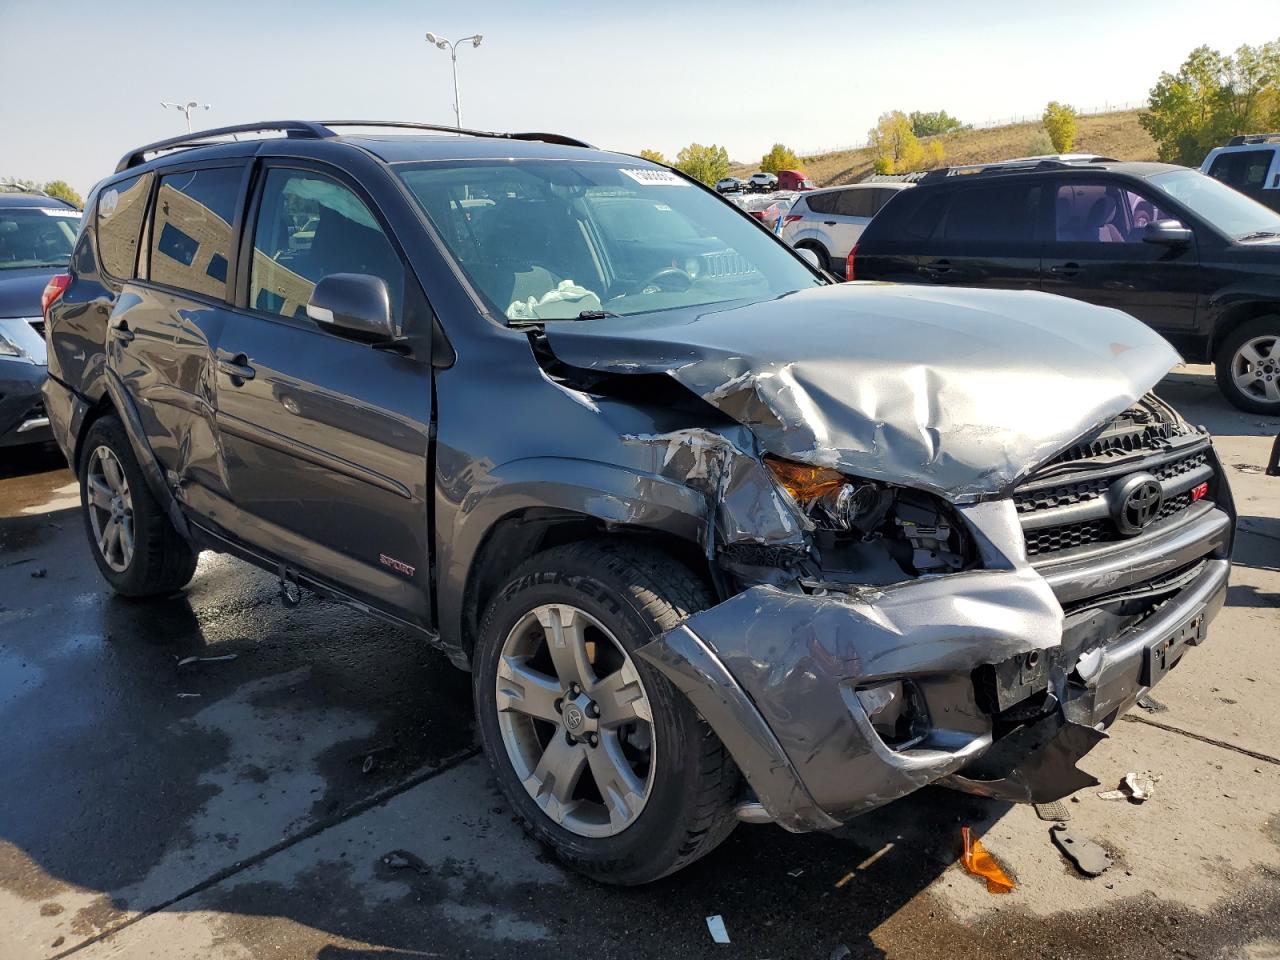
(1252, 138)
(1014, 166)
(310, 129)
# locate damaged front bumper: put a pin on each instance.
(993, 697)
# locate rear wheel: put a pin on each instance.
(134, 544)
(824, 259)
(603, 759)
(1248, 365)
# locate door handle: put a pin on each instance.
(1069, 269)
(237, 369)
(936, 269)
(828, 223)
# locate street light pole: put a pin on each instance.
(452, 47)
(186, 109)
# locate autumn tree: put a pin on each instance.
(926, 123)
(894, 147)
(62, 190)
(1060, 124)
(1212, 98)
(778, 158)
(655, 156)
(708, 164)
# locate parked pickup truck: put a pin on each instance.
(719, 539)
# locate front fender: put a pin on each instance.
(1249, 292)
(613, 495)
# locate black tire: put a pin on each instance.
(824, 258)
(1259, 327)
(162, 561)
(637, 593)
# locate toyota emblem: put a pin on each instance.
(1135, 503)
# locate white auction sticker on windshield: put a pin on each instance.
(51, 212)
(653, 178)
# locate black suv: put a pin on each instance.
(719, 539)
(1183, 253)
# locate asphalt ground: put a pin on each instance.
(316, 791)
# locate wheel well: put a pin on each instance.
(1233, 317)
(100, 409)
(515, 538)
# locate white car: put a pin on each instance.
(729, 185)
(829, 222)
(1251, 164)
(763, 182)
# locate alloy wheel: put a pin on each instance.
(1255, 368)
(576, 721)
(110, 508)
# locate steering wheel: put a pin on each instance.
(672, 279)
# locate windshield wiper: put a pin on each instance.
(597, 314)
(1259, 235)
(584, 315)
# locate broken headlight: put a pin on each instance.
(919, 530)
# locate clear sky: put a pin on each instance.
(84, 78)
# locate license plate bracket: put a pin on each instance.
(1162, 654)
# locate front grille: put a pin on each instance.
(720, 266)
(1082, 497)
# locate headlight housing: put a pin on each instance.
(829, 498)
(8, 348)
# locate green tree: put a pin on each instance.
(707, 164)
(62, 190)
(778, 158)
(1060, 124)
(894, 147)
(654, 155)
(1212, 98)
(930, 123)
(1039, 144)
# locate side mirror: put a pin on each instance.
(353, 304)
(1167, 233)
(809, 257)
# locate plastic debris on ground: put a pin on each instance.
(189, 660)
(845, 879)
(1056, 810)
(796, 872)
(1090, 858)
(841, 952)
(1137, 787)
(1150, 704)
(716, 925)
(977, 861)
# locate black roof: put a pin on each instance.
(1043, 167)
(14, 199)
(393, 141)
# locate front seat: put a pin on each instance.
(516, 253)
(1098, 222)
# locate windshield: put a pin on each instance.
(554, 240)
(37, 236)
(1229, 211)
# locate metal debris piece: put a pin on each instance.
(1150, 704)
(1089, 857)
(367, 765)
(1057, 810)
(188, 695)
(977, 861)
(796, 872)
(1141, 786)
(226, 656)
(716, 925)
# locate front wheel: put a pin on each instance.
(1248, 365)
(134, 544)
(602, 758)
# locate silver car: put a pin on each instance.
(829, 222)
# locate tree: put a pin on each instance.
(779, 158)
(1039, 144)
(655, 156)
(1212, 98)
(707, 164)
(1060, 124)
(931, 123)
(62, 190)
(894, 147)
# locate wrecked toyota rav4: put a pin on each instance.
(719, 538)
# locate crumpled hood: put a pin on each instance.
(959, 391)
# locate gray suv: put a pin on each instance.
(719, 540)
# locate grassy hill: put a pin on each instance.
(1108, 134)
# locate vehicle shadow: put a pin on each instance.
(1257, 542)
(31, 458)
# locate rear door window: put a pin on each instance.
(1243, 169)
(856, 203)
(191, 232)
(120, 212)
(823, 202)
(994, 213)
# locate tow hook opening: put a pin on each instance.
(897, 712)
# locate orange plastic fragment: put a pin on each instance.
(980, 863)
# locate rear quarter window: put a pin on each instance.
(121, 208)
(823, 202)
